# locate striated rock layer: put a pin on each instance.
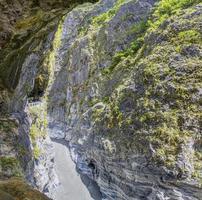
(120, 80)
(126, 96)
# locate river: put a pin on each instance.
(71, 186)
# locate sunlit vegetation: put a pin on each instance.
(105, 17)
(166, 100)
(38, 128)
(166, 8)
(18, 189)
(10, 166)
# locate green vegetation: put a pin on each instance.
(139, 29)
(92, 102)
(163, 10)
(37, 152)
(109, 114)
(18, 189)
(38, 128)
(29, 22)
(9, 166)
(164, 111)
(166, 8)
(7, 125)
(167, 137)
(22, 151)
(105, 17)
(190, 36)
(198, 166)
(57, 38)
(115, 117)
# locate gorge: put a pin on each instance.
(100, 100)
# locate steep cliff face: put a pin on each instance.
(26, 152)
(126, 97)
(18, 13)
(120, 80)
(19, 69)
(16, 159)
(17, 189)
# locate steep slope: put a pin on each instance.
(26, 32)
(17, 13)
(17, 189)
(120, 80)
(127, 97)
(16, 161)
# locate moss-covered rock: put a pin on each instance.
(38, 129)
(18, 189)
(132, 96)
(161, 96)
(10, 166)
(122, 83)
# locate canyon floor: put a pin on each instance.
(72, 184)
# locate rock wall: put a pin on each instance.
(20, 65)
(119, 80)
(126, 97)
(16, 159)
(26, 33)
(16, 13)
(44, 175)
(24, 77)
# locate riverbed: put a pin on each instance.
(71, 185)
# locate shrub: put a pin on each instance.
(190, 36)
(28, 22)
(166, 8)
(36, 152)
(38, 128)
(105, 17)
(10, 166)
